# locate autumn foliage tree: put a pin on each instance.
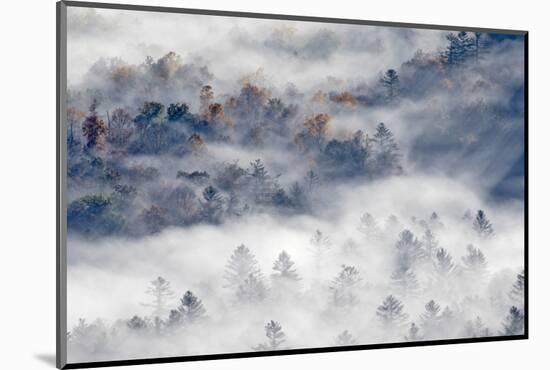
(94, 128)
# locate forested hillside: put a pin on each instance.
(267, 213)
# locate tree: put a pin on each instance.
(431, 320)
(517, 294)
(93, 215)
(298, 198)
(211, 205)
(74, 116)
(262, 182)
(162, 293)
(317, 127)
(476, 329)
(345, 339)
(241, 265)
(430, 244)
(151, 129)
(404, 281)
(475, 262)
(451, 53)
(344, 287)
(311, 180)
(120, 127)
(514, 322)
(460, 48)
(149, 113)
(320, 245)
(348, 157)
(369, 227)
(480, 46)
(482, 226)
(275, 335)
(390, 82)
(93, 128)
(136, 323)
(409, 250)
(284, 267)
(443, 263)
(154, 218)
(313, 136)
(252, 289)
(390, 313)
(413, 333)
(465, 46)
(191, 308)
(177, 111)
(386, 151)
(206, 98)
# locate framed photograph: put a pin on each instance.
(239, 184)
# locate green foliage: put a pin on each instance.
(93, 215)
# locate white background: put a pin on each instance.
(27, 197)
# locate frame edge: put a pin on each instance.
(61, 235)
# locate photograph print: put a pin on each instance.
(238, 184)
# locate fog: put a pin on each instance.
(401, 213)
(108, 279)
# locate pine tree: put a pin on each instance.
(390, 82)
(311, 180)
(475, 262)
(345, 339)
(480, 46)
(344, 287)
(320, 245)
(162, 293)
(211, 205)
(175, 320)
(234, 205)
(390, 312)
(414, 333)
(275, 335)
(465, 45)
(450, 53)
(386, 152)
(404, 281)
(514, 322)
(252, 290)
(191, 308)
(409, 250)
(482, 226)
(284, 267)
(241, 265)
(298, 197)
(431, 320)
(369, 227)
(430, 244)
(517, 294)
(459, 49)
(443, 263)
(476, 329)
(262, 182)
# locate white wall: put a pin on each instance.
(27, 202)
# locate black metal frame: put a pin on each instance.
(61, 252)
